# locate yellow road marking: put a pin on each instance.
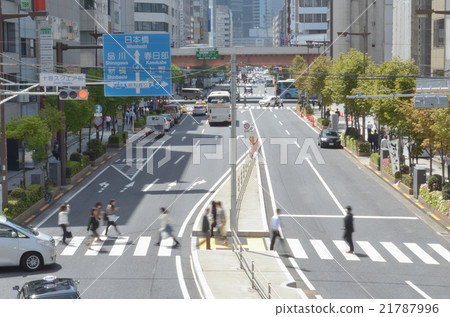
(386, 179)
(434, 216)
(88, 173)
(103, 162)
(43, 207)
(448, 228)
(81, 179)
(29, 219)
(406, 195)
(420, 205)
(95, 168)
(58, 196)
(395, 186)
(70, 187)
(377, 172)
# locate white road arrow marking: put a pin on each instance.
(183, 138)
(127, 186)
(169, 187)
(196, 183)
(103, 186)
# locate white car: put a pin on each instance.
(24, 246)
(269, 101)
(199, 110)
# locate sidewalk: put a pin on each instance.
(220, 267)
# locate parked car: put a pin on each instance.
(170, 120)
(269, 101)
(199, 110)
(50, 287)
(24, 246)
(328, 137)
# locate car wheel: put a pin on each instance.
(31, 261)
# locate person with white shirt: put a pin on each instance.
(275, 225)
(63, 221)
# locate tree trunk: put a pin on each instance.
(364, 126)
(431, 159)
(80, 139)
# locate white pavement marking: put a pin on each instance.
(343, 247)
(425, 257)
(173, 132)
(169, 187)
(74, 243)
(370, 251)
(281, 123)
(418, 290)
(321, 249)
(142, 246)
(287, 132)
(180, 276)
(296, 143)
(203, 131)
(326, 187)
(95, 248)
(297, 250)
(275, 116)
(150, 185)
(317, 132)
(355, 217)
(177, 161)
(119, 246)
(165, 247)
(302, 275)
(396, 253)
(441, 250)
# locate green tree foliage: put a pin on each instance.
(298, 70)
(177, 75)
(441, 129)
(316, 81)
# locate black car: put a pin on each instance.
(329, 137)
(50, 287)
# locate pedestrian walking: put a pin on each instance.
(375, 140)
(111, 216)
(369, 128)
(206, 229)
(108, 123)
(221, 222)
(213, 217)
(166, 227)
(93, 225)
(63, 221)
(55, 151)
(275, 224)
(281, 102)
(348, 228)
(384, 143)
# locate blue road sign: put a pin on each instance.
(137, 65)
(98, 109)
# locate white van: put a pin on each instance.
(157, 124)
(24, 246)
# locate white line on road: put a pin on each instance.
(73, 245)
(297, 249)
(275, 116)
(317, 132)
(287, 132)
(183, 287)
(321, 249)
(142, 246)
(281, 123)
(203, 131)
(441, 250)
(296, 143)
(119, 246)
(173, 132)
(370, 251)
(396, 253)
(165, 247)
(181, 157)
(421, 254)
(342, 246)
(418, 290)
(150, 185)
(356, 217)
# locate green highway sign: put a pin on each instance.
(207, 53)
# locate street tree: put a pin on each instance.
(32, 131)
(315, 82)
(441, 128)
(298, 70)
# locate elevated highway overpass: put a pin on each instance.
(255, 56)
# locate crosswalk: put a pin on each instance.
(254, 107)
(378, 252)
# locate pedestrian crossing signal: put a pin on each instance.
(72, 94)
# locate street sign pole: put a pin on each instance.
(61, 134)
(233, 214)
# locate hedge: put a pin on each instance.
(375, 158)
(115, 138)
(95, 149)
(139, 123)
(21, 199)
(364, 147)
(323, 121)
(434, 182)
(407, 180)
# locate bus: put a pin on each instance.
(286, 89)
(219, 107)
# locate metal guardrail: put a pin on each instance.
(259, 282)
(242, 181)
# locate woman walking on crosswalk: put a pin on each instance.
(111, 216)
(166, 227)
(93, 225)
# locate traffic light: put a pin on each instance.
(72, 94)
(188, 67)
(280, 68)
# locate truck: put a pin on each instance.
(156, 124)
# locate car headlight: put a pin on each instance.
(323, 139)
(46, 243)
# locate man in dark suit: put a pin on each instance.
(206, 229)
(348, 228)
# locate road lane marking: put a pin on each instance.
(434, 216)
(395, 252)
(296, 143)
(180, 276)
(302, 275)
(165, 247)
(173, 132)
(275, 116)
(281, 123)
(441, 251)
(343, 247)
(142, 246)
(356, 217)
(95, 248)
(287, 132)
(177, 161)
(321, 249)
(297, 249)
(150, 185)
(370, 251)
(317, 132)
(418, 290)
(421, 254)
(74, 243)
(119, 246)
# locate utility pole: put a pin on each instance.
(61, 135)
(233, 145)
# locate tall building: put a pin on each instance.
(412, 34)
(440, 65)
(126, 16)
(199, 10)
(223, 27)
(153, 16)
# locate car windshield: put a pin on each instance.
(27, 229)
(331, 133)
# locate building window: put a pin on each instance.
(151, 26)
(88, 4)
(9, 35)
(313, 3)
(151, 7)
(27, 47)
(312, 18)
(439, 33)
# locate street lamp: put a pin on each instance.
(3, 146)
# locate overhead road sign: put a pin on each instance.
(431, 102)
(432, 85)
(137, 65)
(207, 53)
(68, 80)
